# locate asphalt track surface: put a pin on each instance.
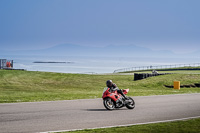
(90, 113)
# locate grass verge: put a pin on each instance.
(186, 126)
(175, 71)
(27, 86)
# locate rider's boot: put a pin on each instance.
(121, 92)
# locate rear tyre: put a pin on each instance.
(131, 104)
(108, 104)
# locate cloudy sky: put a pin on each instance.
(157, 24)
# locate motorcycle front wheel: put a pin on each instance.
(108, 104)
(131, 104)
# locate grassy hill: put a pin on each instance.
(27, 86)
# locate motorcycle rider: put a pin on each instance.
(113, 87)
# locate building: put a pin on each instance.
(6, 64)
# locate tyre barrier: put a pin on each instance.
(139, 76)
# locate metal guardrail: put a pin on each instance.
(142, 68)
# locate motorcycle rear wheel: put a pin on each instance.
(130, 105)
(108, 104)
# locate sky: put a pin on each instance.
(159, 25)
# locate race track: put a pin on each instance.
(90, 113)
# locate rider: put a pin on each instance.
(113, 87)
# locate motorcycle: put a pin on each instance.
(113, 100)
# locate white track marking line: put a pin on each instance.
(40, 102)
(163, 121)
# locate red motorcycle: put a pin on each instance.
(112, 99)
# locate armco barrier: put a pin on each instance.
(191, 66)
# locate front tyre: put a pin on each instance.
(108, 104)
(131, 103)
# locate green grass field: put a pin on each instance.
(187, 126)
(27, 86)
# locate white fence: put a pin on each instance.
(141, 68)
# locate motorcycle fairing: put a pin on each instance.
(114, 95)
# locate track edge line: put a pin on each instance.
(126, 125)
